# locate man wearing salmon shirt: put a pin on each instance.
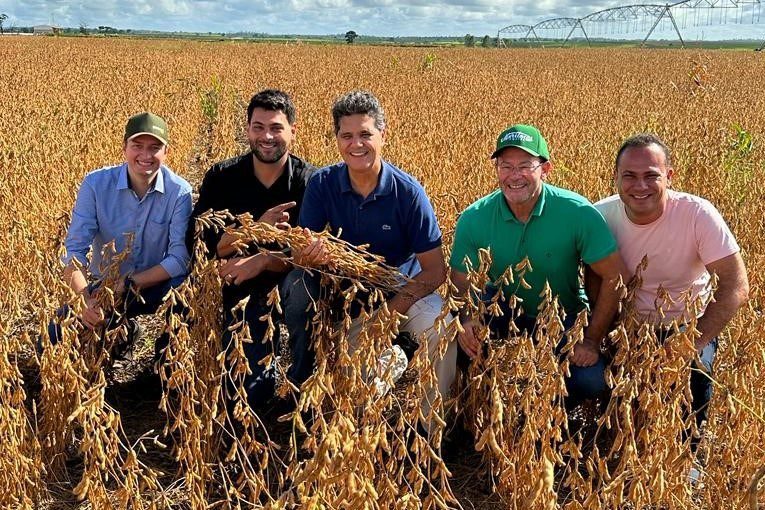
(685, 240)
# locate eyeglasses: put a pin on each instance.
(523, 168)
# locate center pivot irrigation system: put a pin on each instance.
(638, 18)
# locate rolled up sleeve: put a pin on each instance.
(176, 261)
(83, 227)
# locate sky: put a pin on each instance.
(388, 18)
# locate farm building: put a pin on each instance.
(46, 30)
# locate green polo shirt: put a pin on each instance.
(564, 230)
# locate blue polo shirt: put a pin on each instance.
(396, 220)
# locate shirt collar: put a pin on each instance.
(122, 180)
(288, 171)
(384, 181)
(158, 185)
(287, 174)
(159, 182)
(539, 207)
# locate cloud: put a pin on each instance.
(372, 17)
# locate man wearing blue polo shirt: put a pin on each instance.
(141, 197)
(556, 230)
(367, 200)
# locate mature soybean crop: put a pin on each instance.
(64, 104)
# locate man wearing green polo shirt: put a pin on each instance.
(556, 230)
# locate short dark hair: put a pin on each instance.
(272, 100)
(644, 140)
(358, 102)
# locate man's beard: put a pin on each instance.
(279, 151)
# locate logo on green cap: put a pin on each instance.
(516, 136)
(524, 137)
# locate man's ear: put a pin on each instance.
(547, 167)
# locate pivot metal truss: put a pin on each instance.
(560, 23)
(625, 13)
(654, 14)
(633, 12)
(555, 23)
(515, 29)
(712, 4)
(548, 24)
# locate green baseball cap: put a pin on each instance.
(527, 138)
(146, 124)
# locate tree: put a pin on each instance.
(486, 42)
(3, 17)
(350, 36)
(469, 40)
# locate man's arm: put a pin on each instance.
(610, 270)
(732, 292)
(467, 338)
(177, 258)
(92, 315)
(150, 277)
(276, 216)
(592, 284)
(431, 277)
(79, 238)
(240, 269)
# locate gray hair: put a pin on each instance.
(644, 140)
(358, 102)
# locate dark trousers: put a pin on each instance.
(151, 299)
(701, 385)
(261, 382)
(299, 291)
(583, 383)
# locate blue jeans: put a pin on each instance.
(299, 291)
(583, 383)
(151, 297)
(701, 385)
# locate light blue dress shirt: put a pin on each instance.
(106, 209)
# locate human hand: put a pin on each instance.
(315, 254)
(468, 340)
(278, 215)
(240, 269)
(585, 354)
(92, 316)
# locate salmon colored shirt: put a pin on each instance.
(690, 234)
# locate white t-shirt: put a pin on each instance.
(690, 234)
